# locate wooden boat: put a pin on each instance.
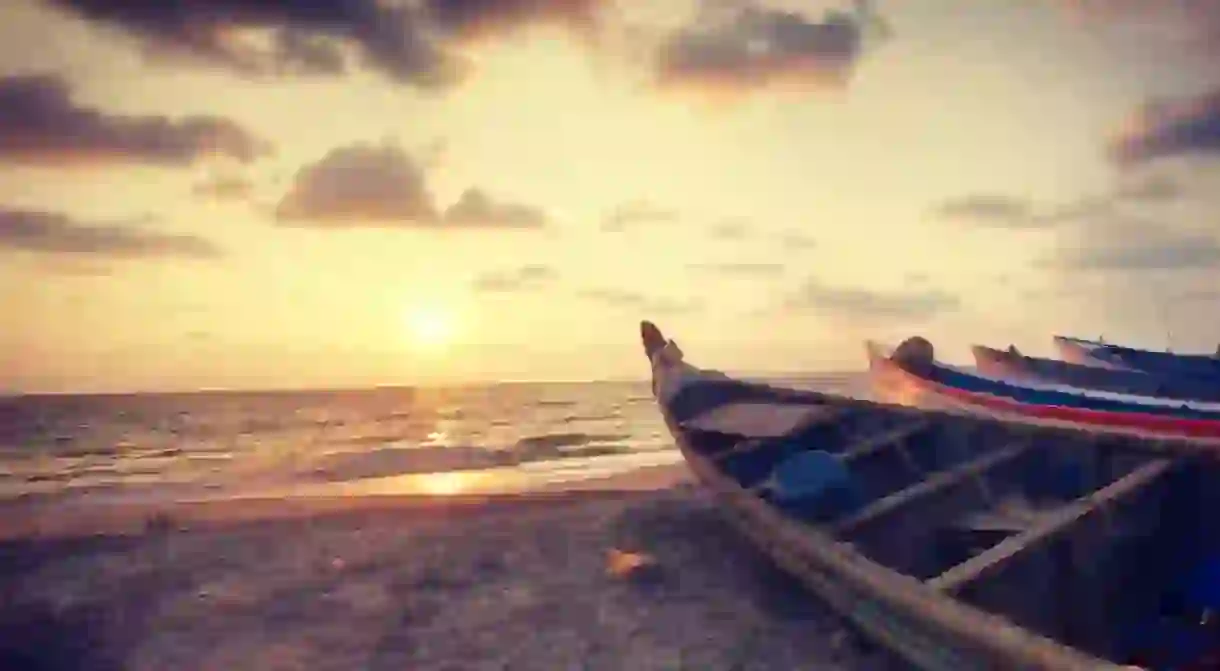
(957, 541)
(912, 376)
(1169, 364)
(1012, 364)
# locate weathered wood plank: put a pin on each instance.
(1049, 527)
(882, 441)
(935, 483)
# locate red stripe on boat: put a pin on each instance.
(1203, 428)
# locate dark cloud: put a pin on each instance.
(382, 185)
(742, 269)
(1183, 127)
(41, 124)
(519, 279)
(297, 36)
(53, 233)
(740, 46)
(410, 42)
(357, 185)
(638, 302)
(477, 209)
(477, 19)
(869, 305)
(224, 188)
(636, 213)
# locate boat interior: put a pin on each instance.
(1093, 540)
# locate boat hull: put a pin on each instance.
(1015, 366)
(1082, 353)
(1168, 364)
(932, 633)
(896, 384)
(907, 523)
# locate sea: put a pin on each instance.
(487, 439)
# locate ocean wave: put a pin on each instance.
(555, 442)
(399, 460)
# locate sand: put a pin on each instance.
(514, 582)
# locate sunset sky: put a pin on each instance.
(226, 193)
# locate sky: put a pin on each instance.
(229, 194)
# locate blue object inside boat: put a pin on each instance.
(813, 485)
(808, 474)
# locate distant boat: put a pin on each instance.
(1097, 353)
(1012, 364)
(911, 376)
(960, 542)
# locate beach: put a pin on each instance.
(508, 582)
(381, 529)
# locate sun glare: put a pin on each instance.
(430, 328)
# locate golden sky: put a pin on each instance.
(220, 193)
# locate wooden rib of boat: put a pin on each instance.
(958, 541)
(1097, 353)
(1012, 364)
(912, 376)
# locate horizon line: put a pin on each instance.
(390, 386)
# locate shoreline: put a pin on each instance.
(47, 519)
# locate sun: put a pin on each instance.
(430, 328)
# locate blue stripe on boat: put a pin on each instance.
(950, 377)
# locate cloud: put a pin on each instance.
(58, 234)
(356, 185)
(1154, 189)
(1009, 212)
(1191, 26)
(224, 188)
(382, 185)
(1132, 245)
(635, 213)
(730, 229)
(480, 19)
(411, 43)
(519, 279)
(797, 241)
(477, 209)
(742, 269)
(1165, 129)
(869, 305)
(638, 302)
(989, 210)
(743, 46)
(41, 124)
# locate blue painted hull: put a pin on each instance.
(1006, 364)
(938, 384)
(1168, 364)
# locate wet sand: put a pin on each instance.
(515, 582)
